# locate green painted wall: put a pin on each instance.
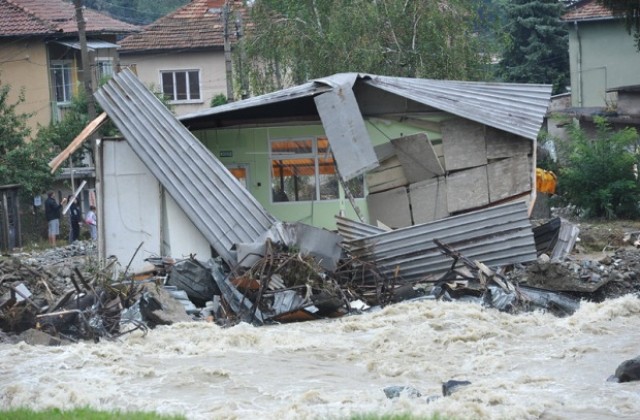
(249, 146)
(602, 56)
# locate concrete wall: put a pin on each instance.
(602, 55)
(210, 63)
(23, 65)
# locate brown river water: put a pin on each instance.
(528, 366)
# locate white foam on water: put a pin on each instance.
(531, 365)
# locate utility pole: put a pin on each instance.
(227, 51)
(84, 56)
(244, 89)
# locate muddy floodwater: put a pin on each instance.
(524, 366)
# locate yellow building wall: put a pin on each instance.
(23, 66)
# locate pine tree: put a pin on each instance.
(537, 49)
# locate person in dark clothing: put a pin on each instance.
(52, 213)
(75, 218)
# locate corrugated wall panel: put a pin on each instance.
(217, 204)
(495, 236)
(351, 229)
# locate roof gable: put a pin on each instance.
(42, 17)
(587, 10)
(199, 24)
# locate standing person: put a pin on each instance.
(92, 221)
(52, 213)
(75, 218)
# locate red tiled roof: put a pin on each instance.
(41, 17)
(191, 26)
(587, 10)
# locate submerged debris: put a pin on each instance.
(292, 274)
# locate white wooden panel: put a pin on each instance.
(467, 189)
(463, 143)
(501, 144)
(180, 237)
(131, 206)
(509, 177)
(388, 175)
(429, 200)
(390, 207)
(417, 157)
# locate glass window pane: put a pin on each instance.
(167, 85)
(356, 186)
(105, 69)
(181, 86)
(323, 147)
(58, 77)
(293, 180)
(62, 81)
(194, 85)
(328, 179)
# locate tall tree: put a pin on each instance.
(630, 10)
(537, 49)
(291, 41)
(21, 162)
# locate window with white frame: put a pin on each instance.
(304, 170)
(181, 85)
(104, 68)
(62, 81)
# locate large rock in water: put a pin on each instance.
(629, 370)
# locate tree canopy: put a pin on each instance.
(292, 41)
(537, 49)
(22, 161)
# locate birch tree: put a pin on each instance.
(292, 41)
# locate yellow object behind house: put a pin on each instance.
(546, 181)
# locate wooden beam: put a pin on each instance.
(75, 144)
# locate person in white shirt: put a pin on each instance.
(92, 222)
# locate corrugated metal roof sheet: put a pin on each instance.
(301, 91)
(346, 130)
(513, 107)
(495, 236)
(213, 199)
(351, 230)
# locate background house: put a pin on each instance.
(604, 65)
(182, 54)
(40, 53)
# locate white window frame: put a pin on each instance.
(189, 100)
(67, 84)
(313, 155)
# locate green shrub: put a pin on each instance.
(219, 99)
(598, 177)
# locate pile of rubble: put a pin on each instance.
(63, 295)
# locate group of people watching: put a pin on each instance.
(52, 212)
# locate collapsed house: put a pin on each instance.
(451, 178)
